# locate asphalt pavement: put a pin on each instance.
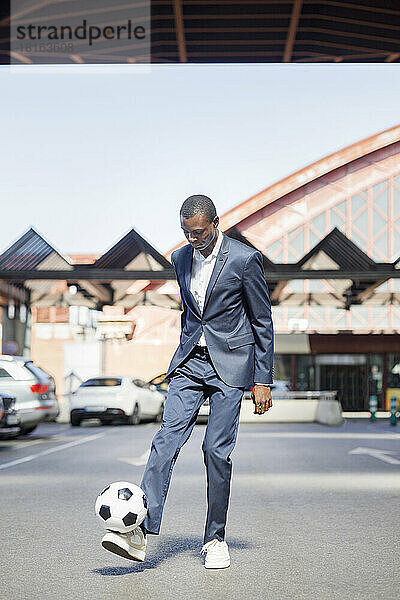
(313, 515)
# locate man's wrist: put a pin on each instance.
(264, 384)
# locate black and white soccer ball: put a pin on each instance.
(121, 506)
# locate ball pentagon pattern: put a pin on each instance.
(121, 506)
(105, 512)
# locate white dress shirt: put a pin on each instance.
(202, 269)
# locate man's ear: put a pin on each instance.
(216, 221)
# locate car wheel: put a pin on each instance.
(75, 421)
(159, 415)
(134, 418)
(26, 430)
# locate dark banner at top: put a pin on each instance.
(84, 31)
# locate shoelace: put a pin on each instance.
(209, 545)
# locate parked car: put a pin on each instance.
(116, 399)
(8, 416)
(33, 388)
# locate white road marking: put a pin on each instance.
(377, 453)
(137, 461)
(298, 434)
(20, 444)
(89, 438)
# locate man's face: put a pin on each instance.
(198, 230)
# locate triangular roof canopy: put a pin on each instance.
(342, 252)
(133, 252)
(30, 251)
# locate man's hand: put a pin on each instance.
(261, 396)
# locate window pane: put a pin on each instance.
(362, 223)
(336, 220)
(342, 207)
(357, 202)
(382, 245)
(4, 374)
(378, 223)
(102, 382)
(319, 223)
(305, 373)
(396, 201)
(282, 367)
(274, 251)
(375, 376)
(297, 241)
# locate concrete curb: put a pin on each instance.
(327, 412)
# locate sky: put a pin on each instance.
(87, 152)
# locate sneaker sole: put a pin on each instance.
(223, 565)
(111, 547)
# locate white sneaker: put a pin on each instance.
(131, 545)
(217, 555)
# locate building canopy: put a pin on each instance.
(199, 31)
(32, 270)
(329, 236)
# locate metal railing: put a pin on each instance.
(318, 395)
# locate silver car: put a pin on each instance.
(33, 388)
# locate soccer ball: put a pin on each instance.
(121, 506)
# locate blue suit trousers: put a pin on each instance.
(192, 382)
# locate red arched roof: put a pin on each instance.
(310, 173)
(321, 168)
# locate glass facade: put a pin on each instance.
(375, 376)
(283, 368)
(356, 379)
(367, 214)
(370, 218)
(305, 373)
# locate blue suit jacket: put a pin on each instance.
(236, 318)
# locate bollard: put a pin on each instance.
(373, 404)
(393, 410)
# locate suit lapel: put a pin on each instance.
(187, 270)
(187, 266)
(220, 261)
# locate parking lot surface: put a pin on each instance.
(313, 515)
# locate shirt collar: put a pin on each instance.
(214, 252)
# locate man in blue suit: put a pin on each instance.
(226, 345)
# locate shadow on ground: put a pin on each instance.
(167, 548)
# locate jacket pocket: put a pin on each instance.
(228, 281)
(240, 340)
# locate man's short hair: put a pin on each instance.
(198, 204)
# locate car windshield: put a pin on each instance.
(102, 382)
